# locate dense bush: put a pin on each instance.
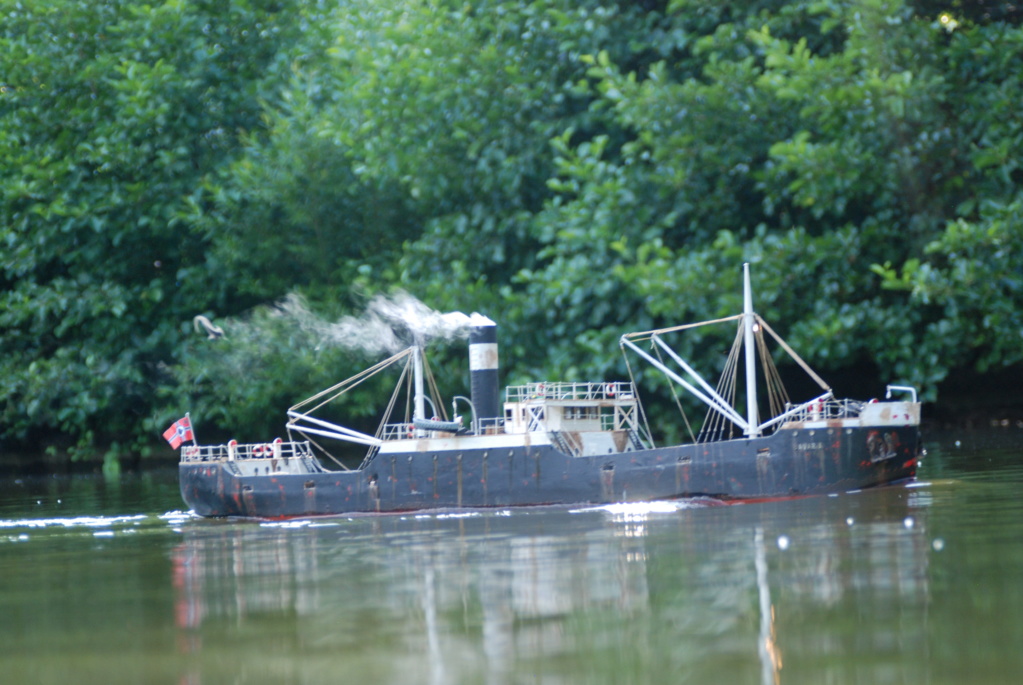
(575, 170)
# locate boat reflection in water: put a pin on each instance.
(636, 592)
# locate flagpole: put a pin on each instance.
(188, 415)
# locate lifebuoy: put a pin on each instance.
(411, 430)
(541, 389)
(609, 389)
(259, 451)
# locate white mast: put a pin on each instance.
(752, 429)
(417, 369)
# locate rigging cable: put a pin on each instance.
(674, 392)
(635, 390)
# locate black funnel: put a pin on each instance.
(483, 368)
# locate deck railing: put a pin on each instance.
(407, 431)
(258, 450)
(824, 410)
(613, 390)
(398, 431)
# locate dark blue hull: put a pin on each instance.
(788, 463)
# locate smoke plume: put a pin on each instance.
(389, 324)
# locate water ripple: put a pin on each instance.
(72, 522)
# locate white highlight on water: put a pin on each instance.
(633, 509)
(70, 522)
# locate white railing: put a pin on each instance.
(560, 390)
(491, 426)
(398, 431)
(823, 410)
(256, 450)
(407, 431)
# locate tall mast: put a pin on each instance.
(417, 368)
(748, 318)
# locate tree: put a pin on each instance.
(573, 169)
(821, 141)
(111, 114)
(411, 149)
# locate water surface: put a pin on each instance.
(111, 581)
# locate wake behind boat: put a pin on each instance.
(561, 442)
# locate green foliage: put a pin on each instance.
(412, 147)
(973, 278)
(574, 170)
(110, 115)
(268, 359)
(821, 156)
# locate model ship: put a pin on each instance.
(558, 443)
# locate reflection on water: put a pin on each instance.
(770, 656)
(486, 597)
(898, 585)
(461, 595)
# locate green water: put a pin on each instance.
(112, 582)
